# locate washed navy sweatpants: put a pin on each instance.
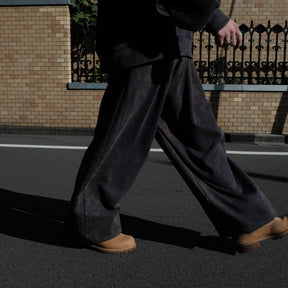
(162, 100)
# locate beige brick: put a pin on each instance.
(36, 40)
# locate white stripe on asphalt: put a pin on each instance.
(242, 152)
(264, 153)
(43, 147)
(257, 153)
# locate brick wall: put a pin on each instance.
(35, 69)
(253, 112)
(243, 11)
(250, 112)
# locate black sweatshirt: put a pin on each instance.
(135, 32)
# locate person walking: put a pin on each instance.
(154, 91)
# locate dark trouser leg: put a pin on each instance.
(189, 135)
(126, 128)
(130, 113)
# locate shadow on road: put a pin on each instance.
(40, 219)
(182, 237)
(268, 177)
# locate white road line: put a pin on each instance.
(263, 153)
(43, 147)
(156, 150)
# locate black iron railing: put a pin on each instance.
(85, 63)
(261, 59)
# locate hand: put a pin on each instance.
(229, 35)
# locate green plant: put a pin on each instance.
(84, 12)
(84, 16)
(100, 77)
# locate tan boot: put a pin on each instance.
(276, 229)
(117, 245)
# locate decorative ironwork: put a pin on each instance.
(85, 63)
(261, 58)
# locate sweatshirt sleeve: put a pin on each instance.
(216, 21)
(190, 14)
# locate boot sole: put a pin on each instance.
(255, 245)
(112, 251)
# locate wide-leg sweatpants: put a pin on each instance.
(165, 100)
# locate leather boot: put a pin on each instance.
(117, 245)
(276, 229)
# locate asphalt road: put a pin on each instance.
(177, 245)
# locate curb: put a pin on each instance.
(46, 131)
(256, 138)
(65, 131)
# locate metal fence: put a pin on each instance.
(85, 63)
(261, 59)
